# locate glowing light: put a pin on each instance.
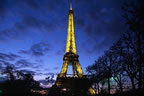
(58, 83)
(42, 92)
(79, 69)
(71, 58)
(91, 91)
(70, 46)
(71, 49)
(64, 69)
(64, 89)
(0, 91)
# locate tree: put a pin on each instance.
(18, 83)
(101, 70)
(117, 66)
(50, 79)
(130, 65)
(9, 71)
(135, 39)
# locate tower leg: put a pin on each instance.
(74, 70)
(64, 69)
(78, 69)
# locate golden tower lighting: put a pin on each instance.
(77, 83)
(71, 57)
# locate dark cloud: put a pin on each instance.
(103, 35)
(50, 74)
(79, 21)
(59, 52)
(7, 34)
(26, 71)
(39, 74)
(31, 21)
(32, 3)
(98, 21)
(2, 9)
(16, 61)
(24, 63)
(56, 68)
(104, 26)
(20, 27)
(4, 63)
(8, 57)
(53, 4)
(47, 69)
(49, 27)
(39, 49)
(38, 70)
(37, 66)
(19, 32)
(25, 21)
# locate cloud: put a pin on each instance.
(98, 22)
(8, 34)
(44, 82)
(103, 35)
(20, 23)
(31, 21)
(4, 63)
(24, 63)
(79, 21)
(39, 74)
(38, 70)
(2, 9)
(47, 69)
(16, 61)
(37, 67)
(60, 52)
(50, 74)
(32, 3)
(8, 59)
(104, 25)
(9, 56)
(39, 49)
(56, 68)
(19, 32)
(26, 71)
(49, 5)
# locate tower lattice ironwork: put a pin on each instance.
(77, 80)
(71, 57)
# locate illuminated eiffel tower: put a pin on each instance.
(71, 57)
(76, 83)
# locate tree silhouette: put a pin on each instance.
(9, 71)
(135, 37)
(18, 83)
(118, 64)
(126, 56)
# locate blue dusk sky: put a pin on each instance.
(33, 33)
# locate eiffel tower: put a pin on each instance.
(77, 83)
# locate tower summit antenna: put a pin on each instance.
(70, 6)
